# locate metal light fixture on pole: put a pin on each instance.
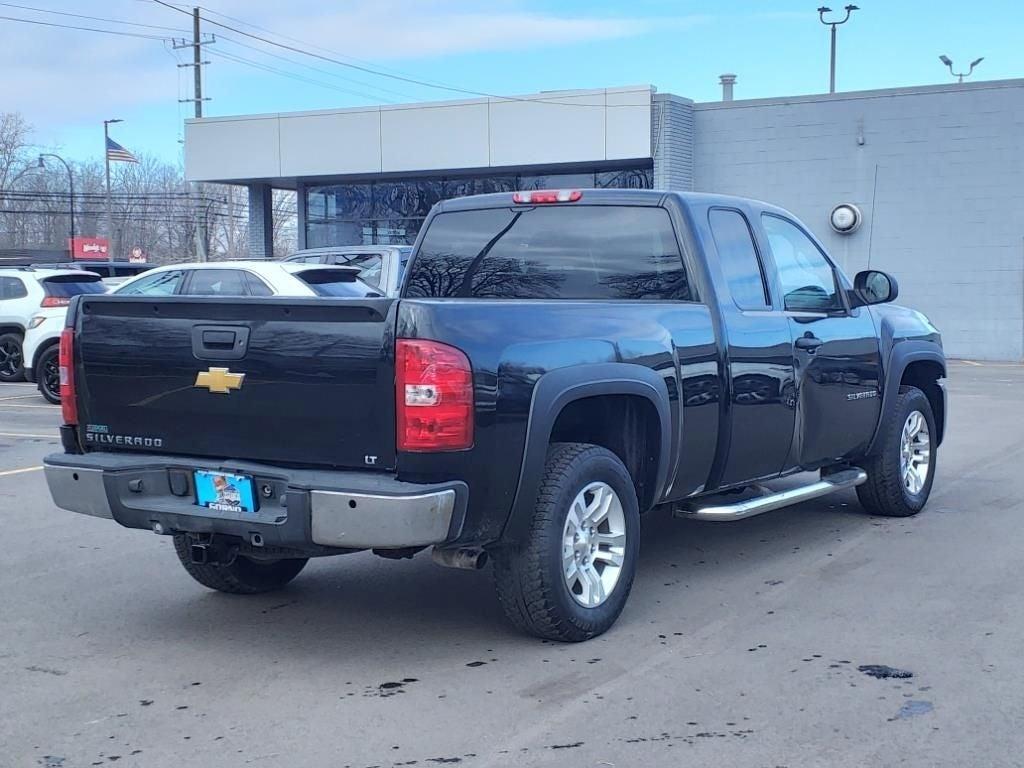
(106, 159)
(832, 62)
(961, 75)
(71, 191)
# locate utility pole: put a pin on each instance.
(197, 62)
(197, 100)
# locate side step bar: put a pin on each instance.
(847, 478)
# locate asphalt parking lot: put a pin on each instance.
(740, 645)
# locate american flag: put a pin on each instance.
(118, 154)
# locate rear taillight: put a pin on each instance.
(55, 301)
(66, 363)
(547, 196)
(433, 396)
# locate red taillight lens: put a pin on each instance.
(55, 301)
(547, 196)
(433, 396)
(66, 361)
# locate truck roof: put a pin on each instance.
(610, 197)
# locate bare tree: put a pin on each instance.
(14, 147)
(153, 208)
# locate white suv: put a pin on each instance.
(29, 298)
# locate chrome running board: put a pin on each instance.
(838, 481)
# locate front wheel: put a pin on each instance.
(900, 474)
(48, 375)
(245, 576)
(11, 363)
(569, 578)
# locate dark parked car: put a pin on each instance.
(559, 362)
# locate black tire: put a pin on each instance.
(12, 364)
(884, 492)
(244, 576)
(529, 578)
(47, 375)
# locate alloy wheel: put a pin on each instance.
(593, 544)
(915, 452)
(10, 358)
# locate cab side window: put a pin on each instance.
(807, 279)
(739, 259)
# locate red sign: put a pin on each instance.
(90, 249)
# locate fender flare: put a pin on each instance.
(903, 354)
(557, 389)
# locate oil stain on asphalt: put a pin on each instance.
(883, 672)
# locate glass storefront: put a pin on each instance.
(391, 212)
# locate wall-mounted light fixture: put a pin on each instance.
(845, 218)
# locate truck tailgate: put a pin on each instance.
(308, 381)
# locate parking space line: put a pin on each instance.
(22, 405)
(17, 397)
(26, 434)
(7, 472)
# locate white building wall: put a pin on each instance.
(552, 127)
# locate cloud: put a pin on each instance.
(60, 77)
(408, 29)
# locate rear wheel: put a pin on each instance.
(48, 375)
(570, 577)
(900, 474)
(245, 576)
(12, 366)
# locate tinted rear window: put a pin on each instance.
(557, 252)
(66, 286)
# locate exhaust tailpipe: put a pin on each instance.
(467, 559)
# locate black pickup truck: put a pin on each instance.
(557, 364)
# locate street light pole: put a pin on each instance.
(961, 75)
(71, 190)
(110, 207)
(832, 59)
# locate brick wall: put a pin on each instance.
(672, 142)
(261, 222)
(937, 171)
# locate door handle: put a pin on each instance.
(219, 339)
(219, 342)
(808, 343)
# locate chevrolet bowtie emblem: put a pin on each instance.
(220, 380)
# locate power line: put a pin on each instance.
(305, 43)
(91, 18)
(378, 73)
(83, 29)
(318, 69)
(292, 75)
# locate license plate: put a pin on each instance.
(223, 492)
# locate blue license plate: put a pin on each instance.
(223, 492)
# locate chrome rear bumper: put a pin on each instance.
(303, 508)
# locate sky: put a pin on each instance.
(66, 82)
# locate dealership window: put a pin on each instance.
(391, 212)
